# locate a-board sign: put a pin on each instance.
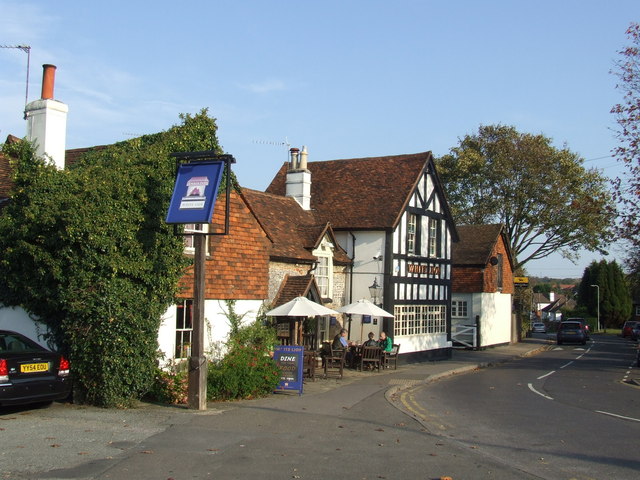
(195, 191)
(290, 360)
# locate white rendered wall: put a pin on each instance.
(18, 320)
(216, 326)
(495, 318)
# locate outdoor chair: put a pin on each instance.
(334, 363)
(371, 356)
(391, 357)
(309, 365)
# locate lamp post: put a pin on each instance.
(598, 300)
(375, 291)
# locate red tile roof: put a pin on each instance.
(292, 287)
(476, 243)
(295, 232)
(360, 193)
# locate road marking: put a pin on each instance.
(547, 374)
(618, 416)
(537, 392)
(567, 364)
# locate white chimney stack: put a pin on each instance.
(47, 121)
(298, 183)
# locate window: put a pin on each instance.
(420, 319)
(184, 328)
(324, 269)
(500, 265)
(433, 238)
(459, 309)
(189, 245)
(637, 310)
(412, 227)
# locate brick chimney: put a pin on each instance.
(298, 183)
(47, 121)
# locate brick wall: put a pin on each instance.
(237, 267)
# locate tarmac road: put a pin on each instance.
(347, 428)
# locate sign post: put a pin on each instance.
(193, 201)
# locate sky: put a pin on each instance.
(346, 79)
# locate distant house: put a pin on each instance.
(482, 287)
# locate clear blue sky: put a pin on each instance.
(345, 78)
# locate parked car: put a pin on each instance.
(30, 373)
(635, 332)
(627, 328)
(585, 325)
(571, 332)
(538, 327)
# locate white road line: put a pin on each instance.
(618, 416)
(567, 364)
(537, 392)
(547, 374)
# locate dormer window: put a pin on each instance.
(324, 269)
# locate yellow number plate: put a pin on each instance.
(34, 367)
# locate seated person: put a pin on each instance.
(385, 342)
(340, 340)
(371, 342)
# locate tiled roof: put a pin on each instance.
(294, 231)
(73, 155)
(292, 287)
(360, 193)
(476, 244)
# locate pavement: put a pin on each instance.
(72, 441)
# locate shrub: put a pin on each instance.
(169, 387)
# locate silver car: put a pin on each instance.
(538, 327)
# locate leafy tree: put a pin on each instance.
(543, 195)
(627, 113)
(87, 251)
(615, 300)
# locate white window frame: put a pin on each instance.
(433, 237)
(419, 320)
(189, 247)
(412, 232)
(324, 270)
(184, 329)
(459, 309)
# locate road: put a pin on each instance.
(564, 414)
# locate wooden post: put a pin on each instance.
(197, 393)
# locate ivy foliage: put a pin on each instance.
(88, 252)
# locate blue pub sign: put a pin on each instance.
(289, 359)
(195, 192)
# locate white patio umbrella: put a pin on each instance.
(300, 307)
(364, 307)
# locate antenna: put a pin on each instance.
(285, 144)
(26, 49)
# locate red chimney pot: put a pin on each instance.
(48, 80)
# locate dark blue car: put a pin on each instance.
(30, 373)
(571, 332)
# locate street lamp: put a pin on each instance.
(375, 291)
(598, 300)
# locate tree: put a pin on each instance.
(615, 300)
(87, 251)
(627, 113)
(546, 199)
